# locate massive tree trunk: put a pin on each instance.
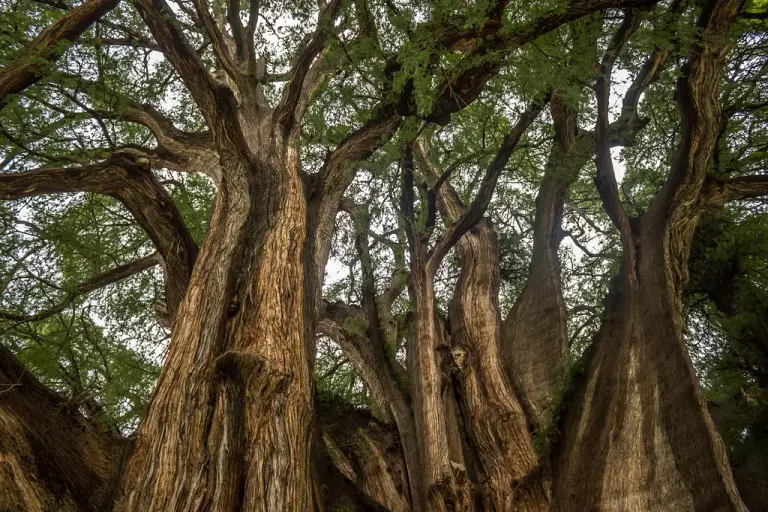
(236, 386)
(52, 458)
(232, 424)
(496, 424)
(637, 435)
(535, 336)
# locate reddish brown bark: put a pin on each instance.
(52, 458)
(231, 424)
(47, 47)
(495, 421)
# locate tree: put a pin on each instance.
(241, 148)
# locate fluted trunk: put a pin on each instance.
(236, 386)
(534, 334)
(497, 428)
(637, 435)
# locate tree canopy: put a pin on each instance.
(545, 129)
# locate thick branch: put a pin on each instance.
(718, 192)
(46, 48)
(137, 188)
(236, 26)
(650, 70)
(179, 150)
(479, 205)
(336, 175)
(250, 31)
(605, 179)
(164, 26)
(485, 61)
(53, 457)
(288, 112)
(338, 321)
(216, 102)
(218, 43)
(697, 92)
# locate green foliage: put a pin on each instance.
(546, 435)
(103, 350)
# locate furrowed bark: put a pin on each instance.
(446, 481)
(534, 334)
(367, 454)
(52, 458)
(242, 329)
(440, 477)
(46, 48)
(637, 435)
(495, 422)
(497, 425)
(240, 334)
(440, 474)
(248, 321)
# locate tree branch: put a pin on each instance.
(649, 71)
(216, 102)
(288, 112)
(605, 179)
(218, 43)
(236, 26)
(46, 48)
(57, 443)
(697, 93)
(98, 281)
(717, 192)
(336, 319)
(250, 31)
(136, 187)
(486, 59)
(475, 211)
(335, 176)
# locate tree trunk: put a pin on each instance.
(236, 388)
(535, 335)
(366, 453)
(638, 435)
(51, 457)
(496, 425)
(444, 473)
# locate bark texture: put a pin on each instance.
(234, 423)
(535, 336)
(638, 435)
(47, 47)
(368, 454)
(52, 458)
(496, 424)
